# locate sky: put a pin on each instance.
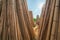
(35, 6)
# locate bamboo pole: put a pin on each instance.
(23, 27)
(50, 20)
(55, 22)
(58, 35)
(1, 19)
(12, 21)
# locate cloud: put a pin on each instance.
(38, 10)
(40, 5)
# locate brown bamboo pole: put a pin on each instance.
(1, 19)
(0, 6)
(55, 21)
(23, 27)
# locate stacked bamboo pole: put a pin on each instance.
(50, 24)
(15, 21)
(27, 20)
(10, 26)
(23, 27)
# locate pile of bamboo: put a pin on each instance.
(50, 21)
(15, 22)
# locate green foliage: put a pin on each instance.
(34, 19)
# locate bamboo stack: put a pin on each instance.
(49, 27)
(10, 26)
(27, 20)
(23, 27)
(15, 23)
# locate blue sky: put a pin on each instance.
(35, 6)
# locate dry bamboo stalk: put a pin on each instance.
(55, 21)
(22, 24)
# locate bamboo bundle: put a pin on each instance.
(27, 20)
(13, 21)
(45, 22)
(51, 20)
(49, 27)
(55, 22)
(23, 27)
(10, 26)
